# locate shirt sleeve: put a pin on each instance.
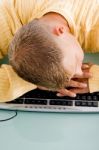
(94, 81)
(9, 24)
(11, 85)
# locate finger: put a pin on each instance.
(85, 66)
(80, 91)
(77, 84)
(60, 95)
(65, 92)
(84, 75)
(43, 88)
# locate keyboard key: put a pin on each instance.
(16, 101)
(86, 104)
(95, 104)
(83, 103)
(69, 103)
(95, 98)
(77, 97)
(58, 102)
(90, 104)
(35, 102)
(52, 102)
(61, 102)
(89, 97)
(83, 97)
(77, 103)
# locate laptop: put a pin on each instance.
(45, 101)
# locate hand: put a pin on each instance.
(66, 92)
(72, 84)
(78, 84)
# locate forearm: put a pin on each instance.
(11, 85)
(94, 80)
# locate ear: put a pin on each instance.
(59, 30)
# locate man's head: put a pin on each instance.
(44, 53)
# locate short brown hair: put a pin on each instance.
(35, 56)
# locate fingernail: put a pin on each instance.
(59, 94)
(87, 66)
(73, 95)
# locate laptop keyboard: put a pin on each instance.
(43, 98)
